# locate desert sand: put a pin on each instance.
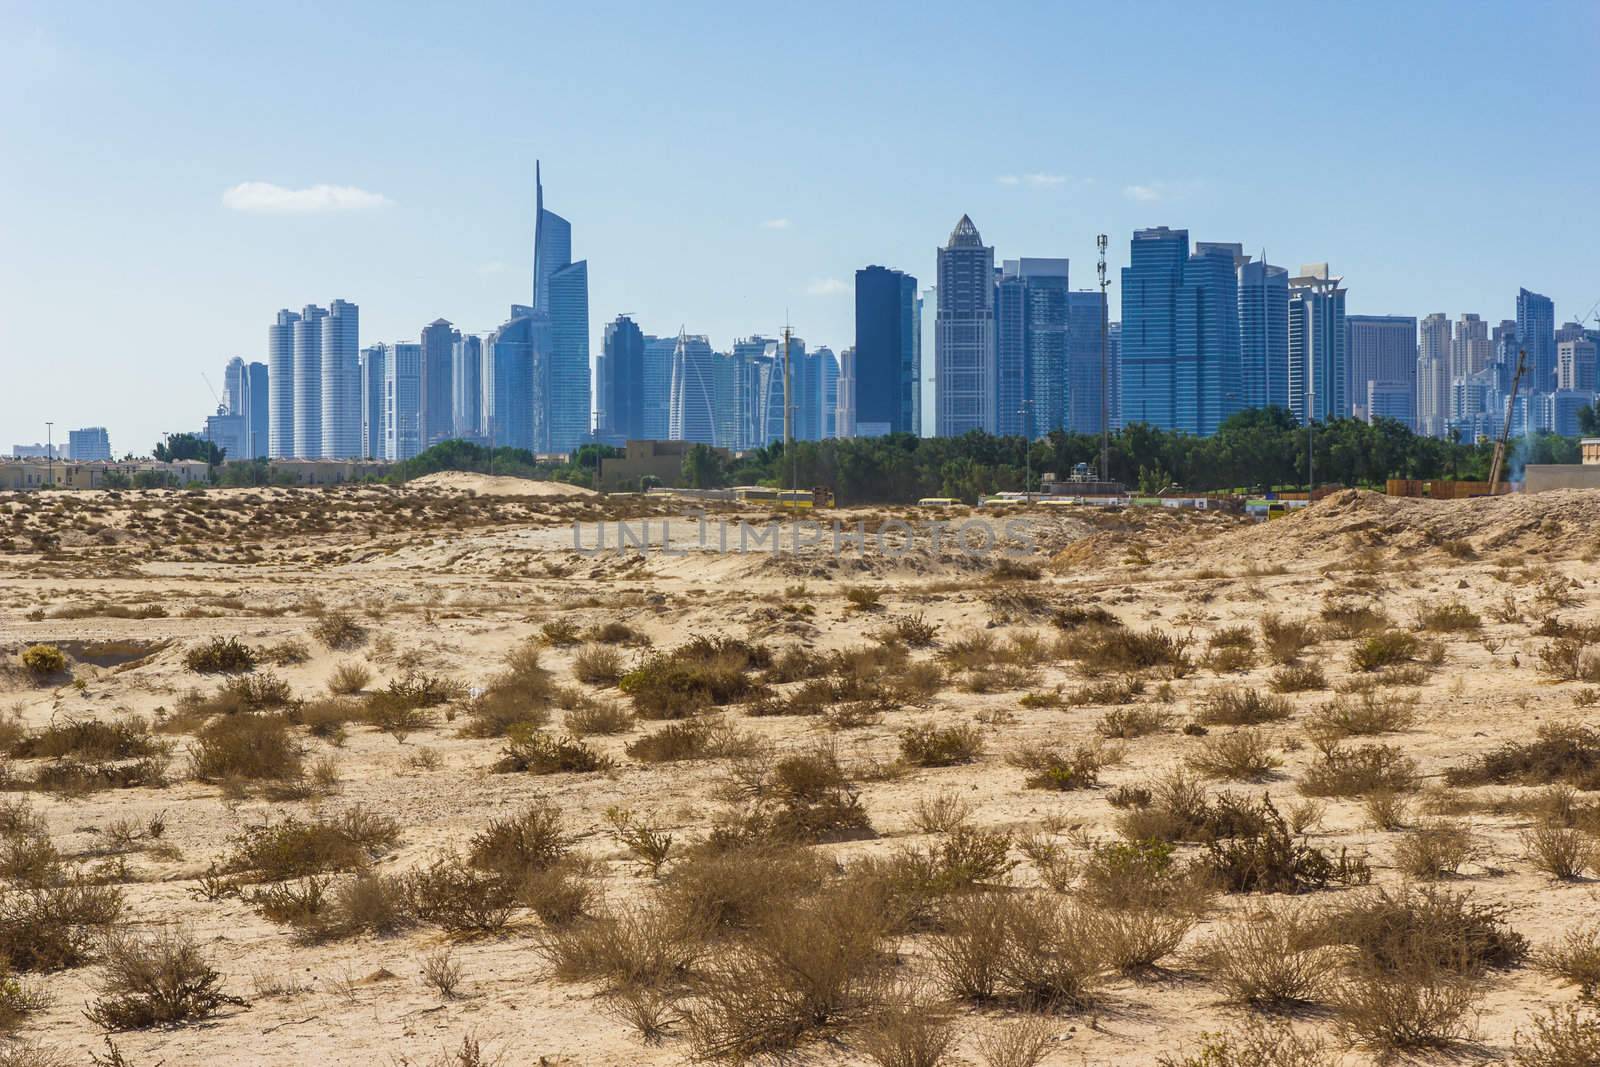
(450, 575)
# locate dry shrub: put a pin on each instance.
(1351, 620)
(1243, 755)
(1268, 959)
(1561, 752)
(220, 655)
(45, 928)
(1387, 810)
(1256, 1043)
(441, 971)
(907, 1032)
(1452, 616)
(1133, 941)
(615, 633)
(1387, 648)
(941, 813)
(1396, 929)
(709, 738)
(704, 672)
(349, 679)
(1349, 772)
(1407, 1008)
(1064, 771)
(1102, 649)
(520, 695)
(597, 664)
(652, 1013)
(916, 630)
(539, 753)
(43, 661)
(521, 844)
(1269, 858)
(802, 797)
(1019, 1042)
(962, 859)
(863, 598)
(1576, 958)
(810, 966)
(337, 631)
(560, 633)
(927, 745)
(255, 746)
(157, 980)
(598, 719)
(728, 890)
(1559, 851)
(1121, 691)
(1242, 707)
(648, 947)
(1129, 723)
(1562, 1037)
(1145, 874)
(293, 848)
(1033, 949)
(1435, 850)
(1365, 716)
(459, 897)
(89, 739)
(1285, 639)
(1297, 678)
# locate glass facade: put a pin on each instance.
(1264, 335)
(886, 351)
(341, 382)
(1150, 285)
(964, 338)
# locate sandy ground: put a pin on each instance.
(454, 590)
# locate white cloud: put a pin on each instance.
(775, 224)
(265, 198)
(1142, 193)
(827, 287)
(1036, 179)
(1009, 179)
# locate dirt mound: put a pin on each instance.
(496, 485)
(1552, 524)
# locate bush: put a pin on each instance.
(1063, 771)
(1267, 960)
(704, 672)
(644, 948)
(907, 1033)
(597, 665)
(1384, 649)
(940, 746)
(1450, 617)
(459, 897)
(1559, 851)
(1258, 1043)
(1431, 928)
(89, 739)
(539, 753)
(915, 630)
(293, 848)
(1033, 949)
(521, 695)
(1560, 1038)
(803, 797)
(1297, 678)
(518, 845)
(1349, 772)
(156, 981)
(1102, 649)
(337, 631)
(220, 655)
(1242, 707)
(246, 746)
(1129, 723)
(1243, 755)
(1576, 958)
(349, 679)
(1144, 874)
(1352, 620)
(1370, 714)
(1133, 941)
(1271, 859)
(1561, 752)
(560, 633)
(1405, 1009)
(1285, 639)
(46, 928)
(863, 598)
(42, 661)
(597, 718)
(1434, 851)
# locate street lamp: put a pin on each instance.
(49, 453)
(1027, 454)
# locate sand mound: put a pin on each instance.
(496, 485)
(1551, 524)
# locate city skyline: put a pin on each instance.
(411, 239)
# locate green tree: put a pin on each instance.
(186, 446)
(703, 467)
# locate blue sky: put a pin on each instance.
(726, 164)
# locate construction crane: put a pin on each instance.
(222, 409)
(1505, 429)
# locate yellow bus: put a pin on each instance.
(789, 499)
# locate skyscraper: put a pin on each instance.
(466, 386)
(692, 416)
(844, 417)
(1114, 367)
(561, 372)
(1470, 352)
(340, 383)
(257, 409)
(1031, 346)
(402, 401)
(886, 349)
(90, 443)
(280, 383)
(1206, 374)
(437, 391)
(965, 336)
(619, 388)
(374, 374)
(1433, 375)
(1536, 328)
(1087, 376)
(1150, 285)
(1383, 350)
(308, 383)
(927, 347)
(1575, 365)
(508, 367)
(828, 383)
(1318, 362)
(657, 387)
(1263, 335)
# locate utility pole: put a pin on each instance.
(1027, 454)
(49, 453)
(787, 409)
(1311, 452)
(1101, 242)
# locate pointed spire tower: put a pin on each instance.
(538, 230)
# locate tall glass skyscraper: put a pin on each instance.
(1383, 363)
(402, 402)
(1087, 377)
(437, 395)
(619, 385)
(1536, 329)
(561, 373)
(1206, 380)
(308, 383)
(1263, 335)
(1150, 285)
(374, 373)
(508, 366)
(280, 385)
(466, 386)
(341, 382)
(657, 387)
(257, 409)
(886, 351)
(692, 416)
(1031, 346)
(964, 335)
(1318, 362)
(1433, 375)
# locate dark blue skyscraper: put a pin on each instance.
(619, 386)
(1087, 377)
(466, 386)
(257, 387)
(508, 361)
(1319, 369)
(374, 374)
(1263, 335)
(964, 340)
(438, 421)
(561, 372)
(1206, 369)
(886, 348)
(1031, 346)
(1150, 285)
(1536, 330)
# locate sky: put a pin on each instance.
(171, 174)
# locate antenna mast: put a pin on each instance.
(787, 409)
(1101, 242)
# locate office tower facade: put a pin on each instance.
(692, 415)
(1031, 300)
(1318, 362)
(374, 373)
(1263, 335)
(1114, 365)
(1575, 365)
(886, 352)
(233, 387)
(828, 384)
(509, 357)
(561, 386)
(1383, 348)
(1206, 370)
(657, 386)
(1088, 376)
(844, 419)
(340, 383)
(402, 402)
(257, 409)
(805, 388)
(620, 385)
(914, 385)
(1433, 375)
(1388, 400)
(1470, 352)
(964, 340)
(1536, 329)
(308, 382)
(437, 391)
(927, 346)
(281, 379)
(466, 387)
(1150, 285)
(89, 444)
